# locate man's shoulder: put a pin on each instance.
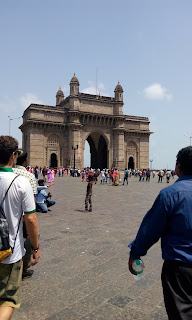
(19, 181)
(22, 179)
(177, 186)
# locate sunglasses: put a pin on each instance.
(18, 152)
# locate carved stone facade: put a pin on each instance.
(115, 139)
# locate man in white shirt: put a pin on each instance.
(19, 199)
(20, 169)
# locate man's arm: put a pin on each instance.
(39, 188)
(151, 229)
(32, 230)
(50, 184)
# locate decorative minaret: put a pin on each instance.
(118, 92)
(59, 97)
(118, 106)
(74, 86)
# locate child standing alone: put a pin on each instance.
(89, 194)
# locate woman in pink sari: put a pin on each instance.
(49, 175)
(115, 177)
(53, 174)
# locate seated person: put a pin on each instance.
(42, 202)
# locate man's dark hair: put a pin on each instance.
(8, 145)
(184, 158)
(21, 157)
(40, 182)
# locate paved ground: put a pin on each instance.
(82, 274)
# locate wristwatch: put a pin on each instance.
(35, 249)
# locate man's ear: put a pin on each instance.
(178, 169)
(12, 159)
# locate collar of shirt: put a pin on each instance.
(185, 177)
(20, 167)
(6, 169)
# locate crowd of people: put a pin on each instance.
(51, 173)
(114, 175)
(106, 175)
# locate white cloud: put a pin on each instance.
(91, 89)
(29, 98)
(9, 105)
(157, 92)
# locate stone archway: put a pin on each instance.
(53, 160)
(132, 155)
(53, 151)
(98, 150)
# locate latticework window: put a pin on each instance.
(53, 141)
(131, 147)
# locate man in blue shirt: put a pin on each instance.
(170, 219)
(42, 201)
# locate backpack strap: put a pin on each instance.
(17, 231)
(4, 214)
(8, 189)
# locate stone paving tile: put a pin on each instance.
(82, 274)
(104, 312)
(64, 314)
(120, 301)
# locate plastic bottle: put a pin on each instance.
(138, 266)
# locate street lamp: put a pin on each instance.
(10, 119)
(151, 163)
(74, 149)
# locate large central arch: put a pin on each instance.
(98, 150)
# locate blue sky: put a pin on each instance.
(144, 44)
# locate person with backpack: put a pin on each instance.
(160, 175)
(148, 175)
(20, 169)
(16, 197)
(125, 176)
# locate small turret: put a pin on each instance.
(74, 86)
(59, 97)
(118, 92)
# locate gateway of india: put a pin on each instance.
(55, 136)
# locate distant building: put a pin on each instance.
(115, 139)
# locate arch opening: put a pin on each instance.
(98, 151)
(131, 164)
(53, 160)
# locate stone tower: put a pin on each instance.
(74, 86)
(118, 106)
(59, 97)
